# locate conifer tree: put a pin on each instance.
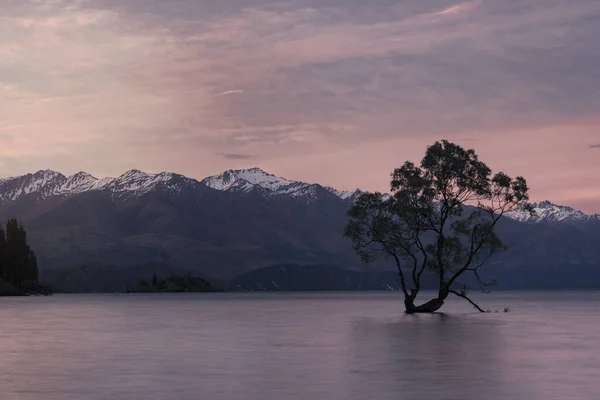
(18, 263)
(3, 266)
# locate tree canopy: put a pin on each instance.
(18, 264)
(440, 218)
(17, 261)
(174, 284)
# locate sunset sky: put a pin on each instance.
(331, 91)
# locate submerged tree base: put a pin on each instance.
(430, 307)
(434, 305)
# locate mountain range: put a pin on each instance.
(228, 226)
(134, 183)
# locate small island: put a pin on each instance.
(18, 264)
(187, 283)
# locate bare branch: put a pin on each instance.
(464, 296)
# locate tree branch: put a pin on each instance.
(400, 272)
(464, 296)
(474, 252)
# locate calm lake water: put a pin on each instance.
(298, 346)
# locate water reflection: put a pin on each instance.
(310, 346)
(428, 356)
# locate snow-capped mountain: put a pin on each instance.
(44, 184)
(546, 211)
(136, 183)
(246, 180)
(48, 183)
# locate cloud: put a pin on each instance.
(460, 8)
(231, 92)
(594, 146)
(233, 156)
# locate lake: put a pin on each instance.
(298, 346)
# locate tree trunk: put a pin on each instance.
(430, 307)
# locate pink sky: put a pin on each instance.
(328, 91)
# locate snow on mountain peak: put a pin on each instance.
(47, 173)
(343, 194)
(13, 188)
(545, 211)
(135, 182)
(246, 180)
(81, 175)
(78, 183)
(49, 183)
(133, 178)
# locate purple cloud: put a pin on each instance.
(307, 87)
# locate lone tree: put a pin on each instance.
(440, 217)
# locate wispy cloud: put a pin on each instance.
(594, 146)
(232, 156)
(460, 8)
(231, 92)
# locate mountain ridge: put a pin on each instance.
(48, 183)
